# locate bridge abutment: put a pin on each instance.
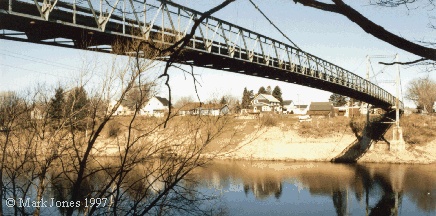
(397, 143)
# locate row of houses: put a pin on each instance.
(204, 109)
(268, 103)
(159, 106)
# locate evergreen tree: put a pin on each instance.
(56, 108)
(223, 100)
(262, 90)
(268, 90)
(250, 95)
(277, 93)
(338, 100)
(245, 103)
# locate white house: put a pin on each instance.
(288, 106)
(156, 106)
(266, 103)
(300, 109)
(121, 110)
(204, 109)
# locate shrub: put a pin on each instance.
(113, 129)
(269, 121)
(357, 126)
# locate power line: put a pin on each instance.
(20, 68)
(283, 34)
(38, 60)
(355, 69)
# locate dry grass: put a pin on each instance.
(228, 130)
(323, 127)
(418, 129)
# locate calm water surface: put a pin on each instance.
(285, 188)
(282, 188)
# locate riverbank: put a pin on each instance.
(279, 144)
(284, 138)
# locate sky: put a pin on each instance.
(329, 36)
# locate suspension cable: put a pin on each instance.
(283, 34)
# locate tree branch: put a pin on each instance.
(404, 63)
(318, 5)
(372, 28)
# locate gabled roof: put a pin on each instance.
(164, 101)
(320, 106)
(270, 98)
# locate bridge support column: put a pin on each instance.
(397, 143)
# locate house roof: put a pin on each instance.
(261, 104)
(320, 106)
(213, 106)
(287, 102)
(191, 106)
(270, 98)
(301, 106)
(164, 101)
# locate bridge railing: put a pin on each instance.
(166, 22)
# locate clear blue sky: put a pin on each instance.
(326, 35)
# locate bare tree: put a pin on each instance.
(422, 91)
(12, 109)
(67, 155)
(183, 101)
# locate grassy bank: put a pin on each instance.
(417, 129)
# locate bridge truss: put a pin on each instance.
(97, 24)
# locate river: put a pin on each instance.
(258, 188)
(306, 188)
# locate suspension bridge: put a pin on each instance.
(217, 44)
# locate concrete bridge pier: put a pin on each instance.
(397, 143)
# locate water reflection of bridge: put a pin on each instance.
(381, 188)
